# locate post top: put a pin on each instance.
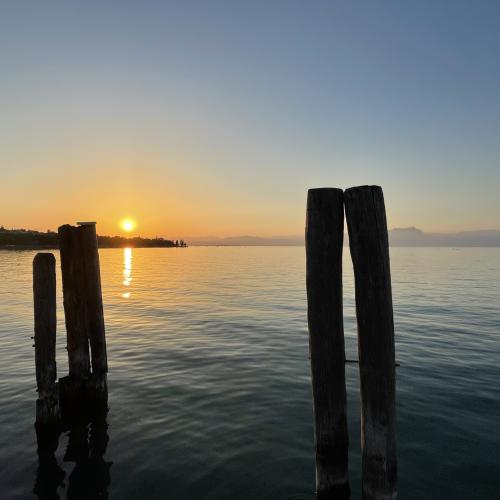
(86, 223)
(366, 187)
(324, 198)
(325, 190)
(44, 256)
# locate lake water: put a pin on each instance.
(209, 382)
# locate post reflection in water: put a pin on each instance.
(127, 271)
(87, 445)
(49, 475)
(90, 477)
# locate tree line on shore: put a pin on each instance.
(29, 239)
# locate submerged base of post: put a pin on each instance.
(81, 399)
(96, 393)
(48, 410)
(335, 492)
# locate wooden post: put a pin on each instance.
(368, 241)
(44, 300)
(324, 240)
(95, 313)
(84, 319)
(96, 389)
(75, 306)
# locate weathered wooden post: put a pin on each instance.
(95, 313)
(97, 389)
(75, 310)
(324, 241)
(368, 241)
(44, 300)
(84, 317)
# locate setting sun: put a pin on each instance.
(127, 225)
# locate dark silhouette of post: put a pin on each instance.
(44, 301)
(49, 476)
(91, 475)
(324, 241)
(84, 319)
(368, 241)
(95, 314)
(75, 307)
(83, 299)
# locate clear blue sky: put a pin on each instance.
(215, 117)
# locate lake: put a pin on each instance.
(209, 382)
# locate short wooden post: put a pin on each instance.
(368, 241)
(324, 241)
(44, 300)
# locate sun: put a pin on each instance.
(127, 224)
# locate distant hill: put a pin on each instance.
(398, 237)
(27, 239)
(413, 237)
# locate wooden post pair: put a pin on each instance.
(368, 241)
(86, 384)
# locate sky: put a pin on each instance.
(214, 118)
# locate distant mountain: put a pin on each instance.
(413, 237)
(398, 237)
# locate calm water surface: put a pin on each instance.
(210, 394)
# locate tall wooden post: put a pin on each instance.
(324, 240)
(44, 300)
(84, 317)
(95, 313)
(368, 241)
(75, 303)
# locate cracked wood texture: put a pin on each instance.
(368, 241)
(44, 301)
(324, 242)
(82, 300)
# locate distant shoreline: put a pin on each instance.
(26, 239)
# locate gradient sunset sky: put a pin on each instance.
(214, 118)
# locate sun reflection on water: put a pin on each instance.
(127, 270)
